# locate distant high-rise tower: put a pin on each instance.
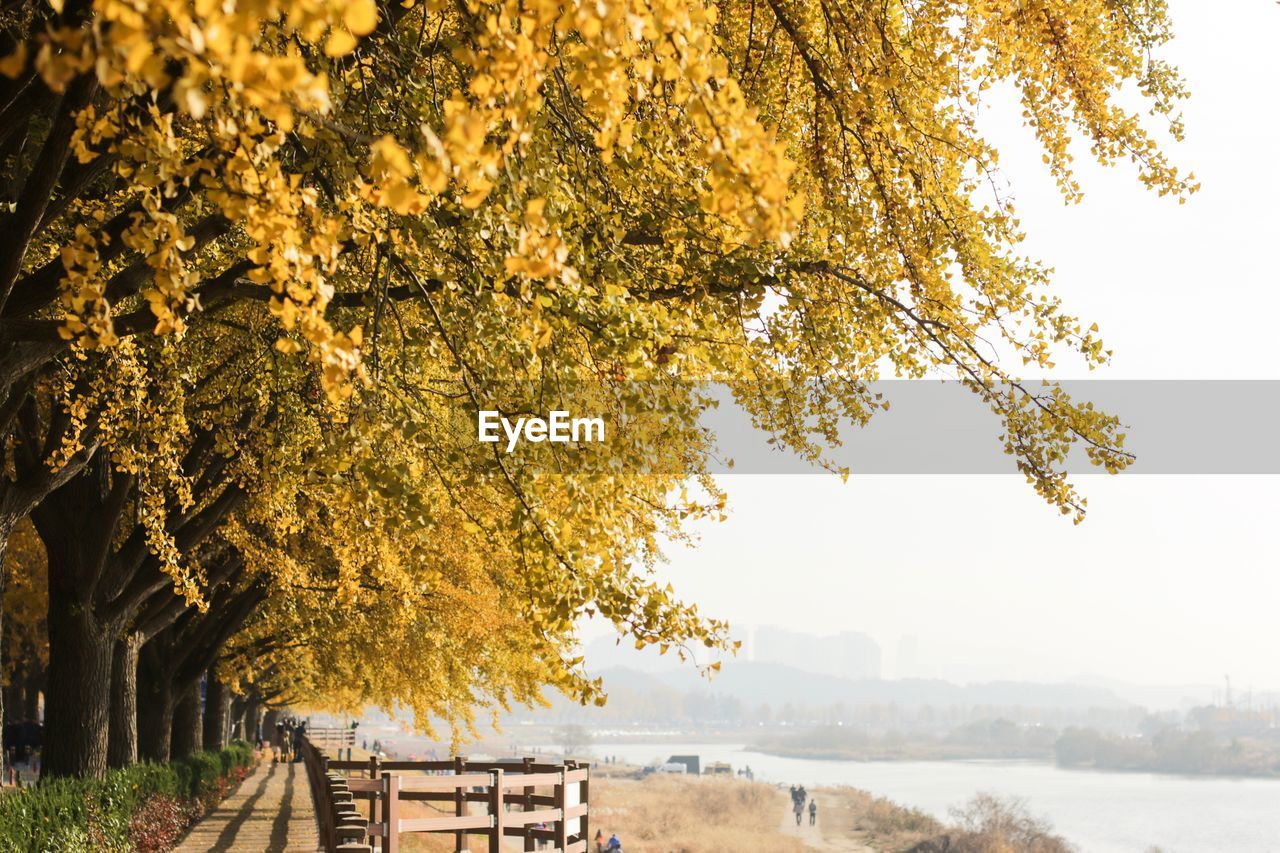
(907, 664)
(846, 655)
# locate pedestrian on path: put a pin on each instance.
(277, 742)
(799, 811)
(813, 812)
(299, 733)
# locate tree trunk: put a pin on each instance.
(155, 710)
(6, 528)
(78, 693)
(186, 739)
(252, 713)
(12, 695)
(35, 686)
(269, 720)
(217, 713)
(122, 741)
(236, 728)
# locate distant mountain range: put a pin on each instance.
(754, 684)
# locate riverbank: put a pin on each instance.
(1102, 812)
(688, 814)
(1240, 764)
(665, 814)
(670, 813)
(1179, 753)
(904, 752)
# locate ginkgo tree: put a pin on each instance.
(244, 497)
(417, 210)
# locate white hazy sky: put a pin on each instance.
(1171, 579)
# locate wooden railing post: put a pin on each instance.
(499, 827)
(317, 767)
(460, 803)
(562, 825)
(391, 813)
(328, 801)
(375, 770)
(584, 797)
(529, 843)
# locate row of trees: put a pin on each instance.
(1170, 750)
(260, 265)
(655, 705)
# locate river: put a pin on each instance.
(1098, 812)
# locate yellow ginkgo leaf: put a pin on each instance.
(14, 64)
(340, 43)
(361, 16)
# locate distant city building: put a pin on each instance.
(844, 655)
(908, 663)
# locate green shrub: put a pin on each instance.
(91, 815)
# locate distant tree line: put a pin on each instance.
(1170, 751)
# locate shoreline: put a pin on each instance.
(1048, 761)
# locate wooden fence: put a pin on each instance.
(515, 799)
(338, 737)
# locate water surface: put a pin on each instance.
(1097, 811)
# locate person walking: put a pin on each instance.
(599, 841)
(277, 741)
(799, 809)
(813, 812)
(299, 732)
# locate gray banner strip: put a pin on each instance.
(1223, 427)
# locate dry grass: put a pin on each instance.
(878, 823)
(681, 814)
(989, 824)
(665, 814)
(677, 814)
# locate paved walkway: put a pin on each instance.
(270, 811)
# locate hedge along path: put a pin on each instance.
(271, 810)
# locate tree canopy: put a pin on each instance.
(263, 263)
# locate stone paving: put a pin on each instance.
(270, 811)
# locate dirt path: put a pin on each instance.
(270, 811)
(829, 835)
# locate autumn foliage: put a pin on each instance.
(263, 262)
